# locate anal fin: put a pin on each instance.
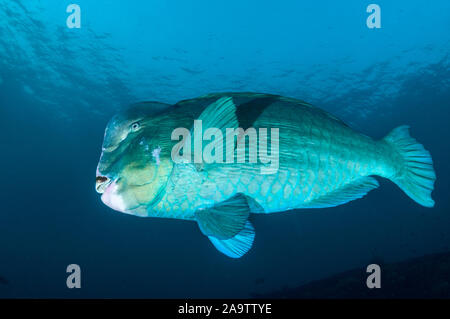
(357, 189)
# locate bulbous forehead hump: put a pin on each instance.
(138, 111)
(118, 127)
(144, 109)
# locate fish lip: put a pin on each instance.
(109, 149)
(102, 184)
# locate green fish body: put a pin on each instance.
(321, 162)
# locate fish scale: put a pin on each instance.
(310, 185)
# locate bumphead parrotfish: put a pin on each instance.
(217, 158)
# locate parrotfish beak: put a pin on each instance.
(108, 188)
(101, 183)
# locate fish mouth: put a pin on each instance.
(101, 183)
(110, 195)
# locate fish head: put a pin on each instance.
(134, 165)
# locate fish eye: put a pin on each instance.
(135, 126)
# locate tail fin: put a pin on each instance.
(416, 175)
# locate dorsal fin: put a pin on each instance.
(247, 113)
(215, 118)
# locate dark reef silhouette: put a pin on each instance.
(423, 277)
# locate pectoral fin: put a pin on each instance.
(224, 220)
(226, 225)
(237, 246)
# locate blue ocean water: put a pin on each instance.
(59, 87)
